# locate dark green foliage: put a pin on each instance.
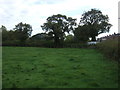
(110, 48)
(69, 39)
(57, 25)
(40, 40)
(41, 37)
(22, 31)
(16, 37)
(92, 24)
(75, 45)
(8, 37)
(96, 23)
(81, 34)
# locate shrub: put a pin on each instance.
(74, 45)
(110, 48)
(11, 43)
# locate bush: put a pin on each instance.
(74, 45)
(110, 48)
(11, 43)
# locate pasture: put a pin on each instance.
(32, 67)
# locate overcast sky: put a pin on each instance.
(35, 12)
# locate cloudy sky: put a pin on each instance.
(35, 12)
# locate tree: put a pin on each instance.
(23, 31)
(81, 34)
(69, 38)
(8, 36)
(3, 29)
(41, 37)
(57, 25)
(5, 35)
(96, 22)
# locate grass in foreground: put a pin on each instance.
(30, 67)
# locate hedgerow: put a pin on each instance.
(110, 48)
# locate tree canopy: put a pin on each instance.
(17, 36)
(57, 25)
(96, 23)
(23, 31)
(59, 30)
(81, 34)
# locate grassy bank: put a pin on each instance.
(28, 67)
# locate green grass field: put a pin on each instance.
(31, 67)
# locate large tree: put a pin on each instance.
(57, 25)
(81, 34)
(22, 31)
(96, 22)
(5, 35)
(8, 36)
(3, 29)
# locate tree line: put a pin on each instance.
(59, 30)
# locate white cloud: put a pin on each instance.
(35, 12)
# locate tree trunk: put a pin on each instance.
(56, 41)
(93, 38)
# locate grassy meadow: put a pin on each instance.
(32, 67)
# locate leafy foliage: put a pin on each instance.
(69, 38)
(56, 28)
(16, 37)
(57, 25)
(96, 22)
(110, 48)
(22, 31)
(81, 34)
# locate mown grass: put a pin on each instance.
(30, 67)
